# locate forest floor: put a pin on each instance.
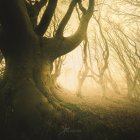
(112, 118)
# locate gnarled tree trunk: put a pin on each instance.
(28, 105)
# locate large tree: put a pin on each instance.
(27, 98)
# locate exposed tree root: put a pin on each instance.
(48, 90)
(30, 110)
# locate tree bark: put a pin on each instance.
(27, 100)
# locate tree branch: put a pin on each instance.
(81, 7)
(56, 47)
(46, 18)
(40, 4)
(65, 20)
(34, 9)
(69, 43)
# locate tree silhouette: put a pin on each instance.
(27, 91)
